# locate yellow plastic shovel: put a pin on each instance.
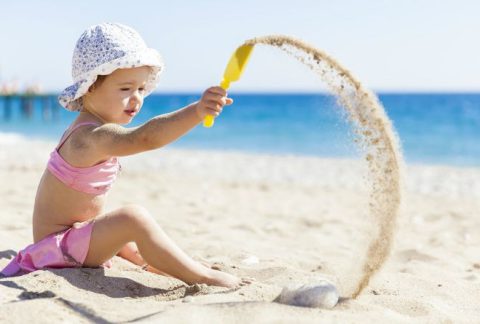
(233, 71)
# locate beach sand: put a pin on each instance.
(302, 218)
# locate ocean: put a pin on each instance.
(433, 128)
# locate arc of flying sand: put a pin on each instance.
(375, 137)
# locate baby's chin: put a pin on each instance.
(125, 123)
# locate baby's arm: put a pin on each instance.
(115, 140)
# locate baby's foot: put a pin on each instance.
(223, 279)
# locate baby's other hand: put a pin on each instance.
(212, 102)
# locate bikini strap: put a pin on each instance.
(69, 132)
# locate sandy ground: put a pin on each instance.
(302, 218)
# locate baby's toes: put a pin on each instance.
(246, 281)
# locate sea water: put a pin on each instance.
(434, 128)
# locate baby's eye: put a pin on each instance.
(125, 89)
(141, 89)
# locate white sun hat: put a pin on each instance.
(101, 50)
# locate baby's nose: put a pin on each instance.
(134, 101)
(138, 94)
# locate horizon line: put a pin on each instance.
(279, 93)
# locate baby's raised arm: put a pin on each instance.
(115, 140)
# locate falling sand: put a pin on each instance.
(374, 136)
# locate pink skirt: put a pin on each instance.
(65, 249)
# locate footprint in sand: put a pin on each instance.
(407, 307)
(471, 277)
(15, 227)
(413, 255)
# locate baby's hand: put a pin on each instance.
(212, 102)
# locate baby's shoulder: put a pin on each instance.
(81, 138)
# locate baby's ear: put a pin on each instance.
(98, 82)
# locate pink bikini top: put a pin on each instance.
(95, 180)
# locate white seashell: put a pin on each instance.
(251, 260)
(188, 299)
(322, 294)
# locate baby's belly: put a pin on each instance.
(58, 207)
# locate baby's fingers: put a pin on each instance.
(213, 108)
(216, 90)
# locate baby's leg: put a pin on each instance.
(115, 229)
(130, 253)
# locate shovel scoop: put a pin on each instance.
(232, 73)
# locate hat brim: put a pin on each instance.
(70, 98)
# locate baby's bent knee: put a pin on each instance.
(136, 216)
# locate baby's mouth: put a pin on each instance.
(131, 112)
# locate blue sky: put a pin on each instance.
(407, 45)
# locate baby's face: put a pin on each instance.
(120, 96)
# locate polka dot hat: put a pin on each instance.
(101, 50)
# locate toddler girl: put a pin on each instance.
(113, 70)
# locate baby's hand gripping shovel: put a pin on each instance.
(233, 71)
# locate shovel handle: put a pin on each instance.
(209, 120)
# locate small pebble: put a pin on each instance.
(321, 294)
